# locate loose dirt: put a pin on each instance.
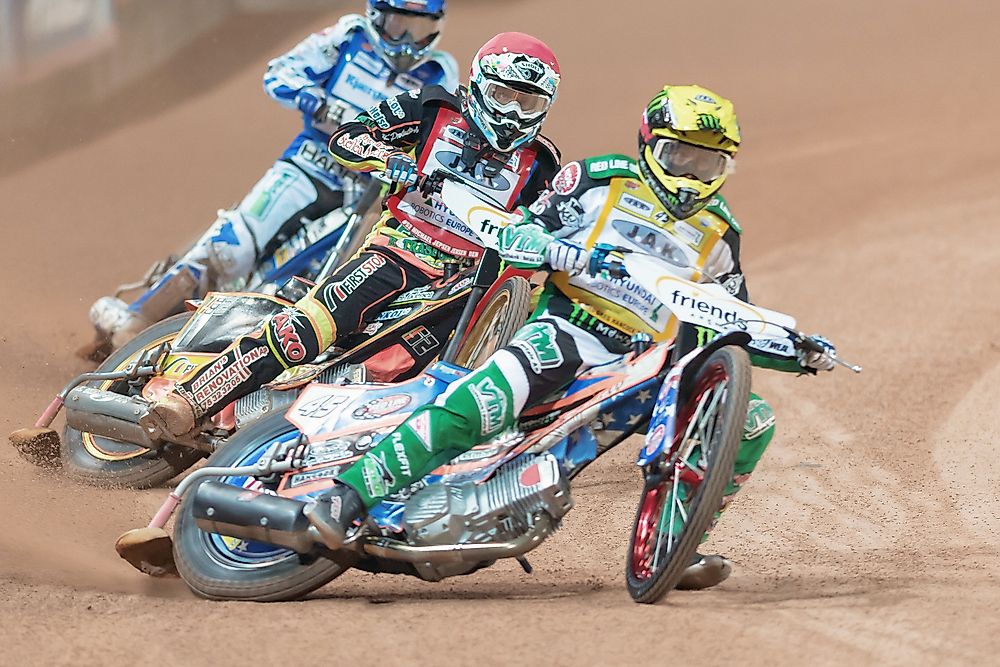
(867, 192)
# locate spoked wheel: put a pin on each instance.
(226, 568)
(103, 461)
(506, 311)
(685, 488)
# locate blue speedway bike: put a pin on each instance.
(240, 532)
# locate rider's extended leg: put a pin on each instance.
(227, 252)
(758, 431)
(544, 356)
(354, 295)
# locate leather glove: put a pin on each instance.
(525, 246)
(819, 361)
(311, 102)
(401, 168)
(566, 256)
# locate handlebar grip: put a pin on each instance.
(810, 345)
(616, 269)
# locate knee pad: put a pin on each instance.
(229, 249)
(283, 193)
(292, 337)
(226, 250)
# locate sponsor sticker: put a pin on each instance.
(392, 314)
(378, 478)
(638, 206)
(567, 179)
(396, 108)
(420, 340)
(570, 212)
(382, 406)
(688, 233)
(224, 376)
(376, 115)
(492, 404)
(421, 427)
(364, 146)
(460, 285)
(283, 326)
(355, 278)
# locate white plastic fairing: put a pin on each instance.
(482, 218)
(705, 304)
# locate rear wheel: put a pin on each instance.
(682, 493)
(106, 462)
(505, 312)
(226, 568)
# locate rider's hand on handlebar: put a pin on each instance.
(817, 353)
(567, 256)
(401, 168)
(311, 101)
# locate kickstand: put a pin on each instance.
(525, 565)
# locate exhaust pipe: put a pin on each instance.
(250, 515)
(111, 415)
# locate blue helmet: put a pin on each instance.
(404, 31)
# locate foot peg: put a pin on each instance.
(38, 446)
(149, 550)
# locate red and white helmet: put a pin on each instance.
(511, 88)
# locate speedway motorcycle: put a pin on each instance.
(241, 533)
(314, 250)
(109, 438)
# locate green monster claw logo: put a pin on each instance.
(659, 101)
(709, 122)
(704, 335)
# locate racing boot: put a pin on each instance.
(705, 572)
(117, 322)
(334, 512)
(114, 320)
(174, 414)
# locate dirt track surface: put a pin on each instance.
(867, 191)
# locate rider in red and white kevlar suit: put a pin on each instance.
(487, 136)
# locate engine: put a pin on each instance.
(497, 510)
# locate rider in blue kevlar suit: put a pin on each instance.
(330, 76)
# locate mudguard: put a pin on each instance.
(673, 391)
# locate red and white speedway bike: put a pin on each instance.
(110, 440)
(241, 534)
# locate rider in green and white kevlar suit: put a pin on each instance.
(663, 204)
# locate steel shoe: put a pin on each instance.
(705, 572)
(174, 414)
(334, 512)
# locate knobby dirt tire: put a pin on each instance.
(207, 577)
(142, 468)
(652, 587)
(505, 312)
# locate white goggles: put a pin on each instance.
(505, 99)
(688, 161)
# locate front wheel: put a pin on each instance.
(682, 494)
(225, 568)
(103, 461)
(505, 312)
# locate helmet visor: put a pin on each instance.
(688, 161)
(505, 99)
(417, 30)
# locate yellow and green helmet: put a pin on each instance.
(687, 140)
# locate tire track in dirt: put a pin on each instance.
(870, 213)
